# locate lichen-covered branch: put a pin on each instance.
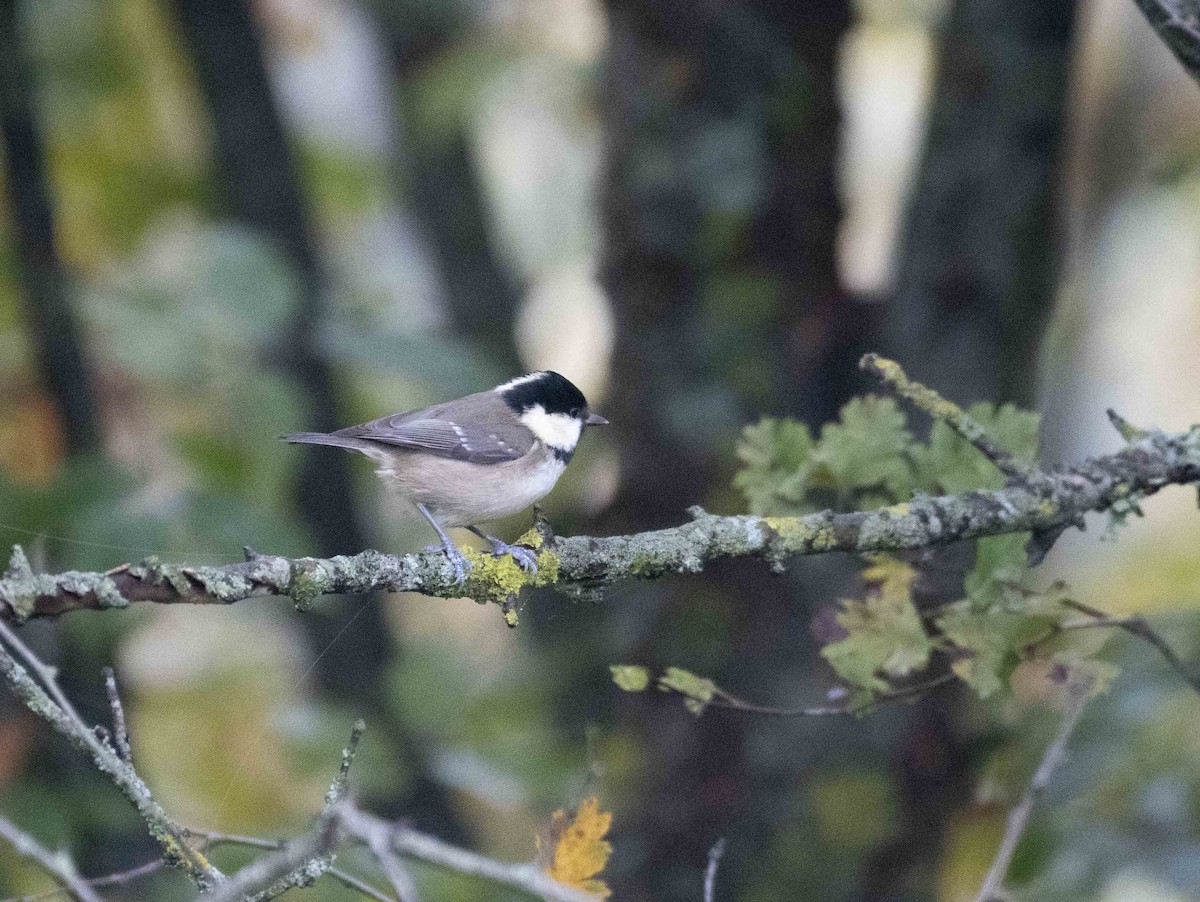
(64, 720)
(1177, 22)
(305, 859)
(929, 401)
(1046, 506)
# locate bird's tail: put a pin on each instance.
(322, 438)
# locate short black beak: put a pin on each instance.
(594, 419)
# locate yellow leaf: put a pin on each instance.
(573, 851)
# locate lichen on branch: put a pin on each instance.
(1041, 502)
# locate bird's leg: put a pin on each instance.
(460, 564)
(523, 556)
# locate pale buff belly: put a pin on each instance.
(463, 494)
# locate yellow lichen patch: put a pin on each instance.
(531, 539)
(498, 578)
(797, 534)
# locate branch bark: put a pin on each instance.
(1045, 506)
(61, 715)
(1177, 22)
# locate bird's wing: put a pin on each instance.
(435, 431)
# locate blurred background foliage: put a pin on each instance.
(221, 221)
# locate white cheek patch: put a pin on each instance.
(554, 429)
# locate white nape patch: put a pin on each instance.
(554, 429)
(520, 380)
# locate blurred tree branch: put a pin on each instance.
(297, 863)
(1177, 22)
(57, 866)
(1044, 503)
(1078, 691)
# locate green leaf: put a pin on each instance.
(775, 456)
(999, 570)
(989, 643)
(884, 633)
(698, 690)
(950, 464)
(630, 677)
(867, 449)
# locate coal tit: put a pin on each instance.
(480, 458)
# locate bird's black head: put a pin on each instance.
(554, 393)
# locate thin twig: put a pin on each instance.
(724, 699)
(296, 863)
(47, 675)
(120, 878)
(710, 872)
(215, 838)
(407, 843)
(51, 705)
(120, 730)
(57, 866)
(930, 402)
(1138, 626)
(304, 859)
(1078, 693)
(394, 869)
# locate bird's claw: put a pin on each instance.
(457, 560)
(525, 558)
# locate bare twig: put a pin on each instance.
(394, 869)
(296, 863)
(120, 878)
(57, 866)
(1078, 692)
(51, 705)
(710, 872)
(723, 699)
(1138, 626)
(215, 838)
(303, 860)
(407, 843)
(120, 730)
(930, 402)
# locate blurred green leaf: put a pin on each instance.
(884, 633)
(630, 677)
(698, 691)
(867, 448)
(988, 642)
(947, 463)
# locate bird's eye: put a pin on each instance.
(574, 411)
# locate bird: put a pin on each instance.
(478, 458)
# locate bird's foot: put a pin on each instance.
(525, 558)
(457, 560)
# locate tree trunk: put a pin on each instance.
(44, 283)
(720, 214)
(977, 277)
(980, 259)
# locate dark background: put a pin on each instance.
(221, 221)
